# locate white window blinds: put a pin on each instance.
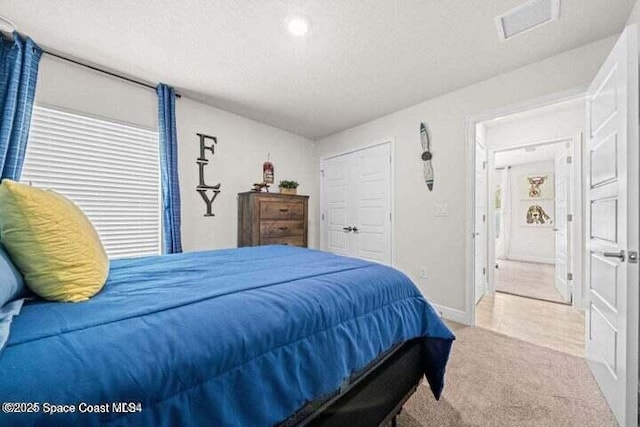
(110, 170)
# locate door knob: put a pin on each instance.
(619, 255)
(355, 229)
(348, 229)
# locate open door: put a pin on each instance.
(562, 230)
(480, 223)
(612, 228)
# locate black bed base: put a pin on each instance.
(375, 397)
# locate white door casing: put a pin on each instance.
(356, 204)
(563, 174)
(480, 242)
(611, 199)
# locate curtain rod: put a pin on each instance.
(82, 64)
(103, 71)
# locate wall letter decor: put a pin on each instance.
(202, 161)
(426, 156)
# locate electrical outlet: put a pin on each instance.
(423, 272)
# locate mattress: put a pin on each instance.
(241, 337)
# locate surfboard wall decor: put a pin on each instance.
(426, 156)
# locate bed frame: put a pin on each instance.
(373, 398)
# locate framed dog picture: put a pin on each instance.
(536, 186)
(538, 213)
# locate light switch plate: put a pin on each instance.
(442, 209)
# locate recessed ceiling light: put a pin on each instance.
(298, 25)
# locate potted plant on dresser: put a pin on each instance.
(289, 187)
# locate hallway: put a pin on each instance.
(527, 279)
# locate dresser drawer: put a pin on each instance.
(290, 240)
(281, 210)
(281, 227)
(272, 219)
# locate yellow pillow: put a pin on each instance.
(52, 243)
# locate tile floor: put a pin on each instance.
(556, 326)
(527, 279)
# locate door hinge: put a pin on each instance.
(484, 271)
(569, 276)
(389, 216)
(569, 218)
(322, 172)
(569, 160)
(484, 218)
(323, 217)
(484, 165)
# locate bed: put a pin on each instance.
(253, 336)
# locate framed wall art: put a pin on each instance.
(537, 186)
(536, 213)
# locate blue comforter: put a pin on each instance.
(241, 337)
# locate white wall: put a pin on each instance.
(422, 239)
(527, 243)
(545, 124)
(634, 17)
(242, 147)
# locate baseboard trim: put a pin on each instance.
(525, 258)
(452, 314)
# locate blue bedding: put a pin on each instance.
(240, 337)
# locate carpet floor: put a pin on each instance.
(527, 279)
(495, 380)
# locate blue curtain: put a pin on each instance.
(19, 61)
(172, 242)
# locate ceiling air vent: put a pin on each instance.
(527, 16)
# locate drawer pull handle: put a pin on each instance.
(283, 228)
(284, 210)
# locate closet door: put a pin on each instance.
(335, 209)
(371, 201)
(356, 204)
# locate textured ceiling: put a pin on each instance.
(361, 59)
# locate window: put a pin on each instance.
(110, 170)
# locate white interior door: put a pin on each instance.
(562, 230)
(372, 203)
(612, 228)
(356, 204)
(336, 205)
(480, 246)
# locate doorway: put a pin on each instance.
(532, 210)
(607, 289)
(528, 224)
(356, 203)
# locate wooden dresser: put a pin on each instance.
(272, 219)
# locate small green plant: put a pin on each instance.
(289, 184)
